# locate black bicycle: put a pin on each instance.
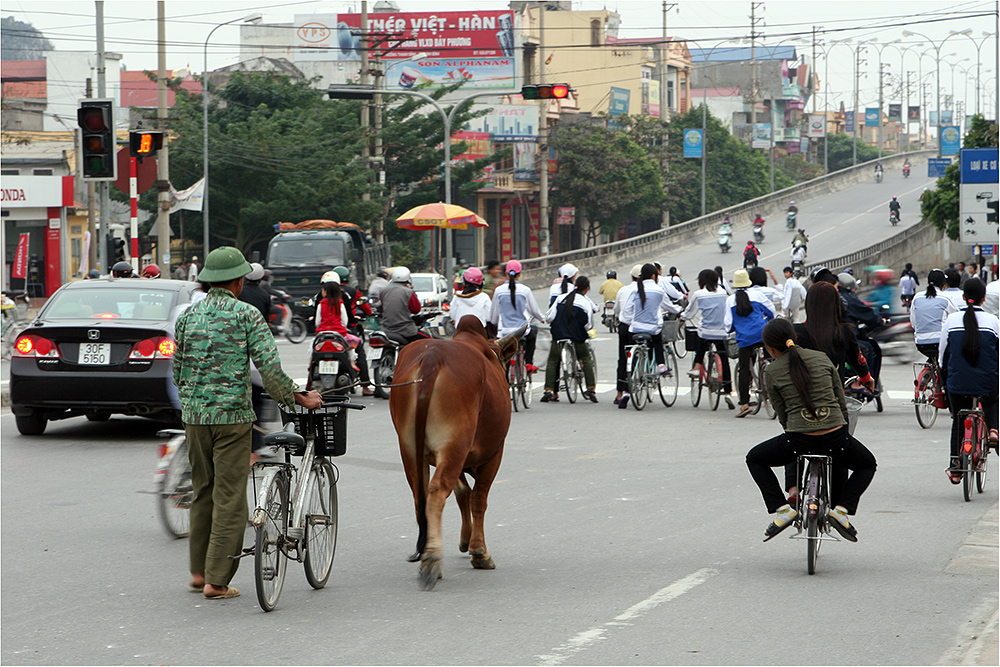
(813, 505)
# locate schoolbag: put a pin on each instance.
(750, 253)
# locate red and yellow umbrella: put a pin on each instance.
(448, 216)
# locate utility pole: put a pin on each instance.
(814, 146)
(162, 165)
(377, 158)
(754, 19)
(906, 111)
(91, 208)
(881, 86)
(365, 47)
(543, 140)
(664, 108)
(103, 192)
(857, 83)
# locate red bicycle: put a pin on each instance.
(928, 392)
(973, 449)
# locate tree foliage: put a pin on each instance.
(841, 152)
(941, 204)
(22, 41)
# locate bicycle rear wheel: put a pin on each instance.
(696, 385)
(981, 466)
(670, 384)
(567, 356)
(967, 477)
(269, 561)
(637, 379)
(175, 493)
(811, 504)
(812, 542)
(525, 390)
(512, 381)
(297, 330)
(714, 380)
(321, 524)
(923, 406)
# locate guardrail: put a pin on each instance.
(538, 271)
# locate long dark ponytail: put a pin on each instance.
(582, 283)
(567, 281)
(780, 335)
(935, 281)
(743, 306)
(974, 293)
(512, 286)
(333, 297)
(647, 273)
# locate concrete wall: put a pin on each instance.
(538, 272)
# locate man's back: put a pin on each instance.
(609, 289)
(255, 295)
(396, 311)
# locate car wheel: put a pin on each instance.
(31, 424)
(98, 416)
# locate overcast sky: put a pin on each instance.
(130, 28)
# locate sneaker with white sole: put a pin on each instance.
(623, 403)
(838, 520)
(783, 518)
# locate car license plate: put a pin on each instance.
(329, 367)
(95, 354)
(374, 353)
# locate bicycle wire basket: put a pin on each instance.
(732, 347)
(671, 327)
(853, 410)
(327, 424)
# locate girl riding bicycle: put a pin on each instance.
(747, 311)
(928, 312)
(646, 307)
(807, 394)
(968, 361)
(709, 301)
(571, 316)
(513, 306)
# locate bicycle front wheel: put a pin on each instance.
(812, 542)
(513, 382)
(714, 380)
(670, 384)
(764, 398)
(567, 358)
(321, 524)
(637, 379)
(269, 560)
(923, 405)
(678, 344)
(696, 385)
(175, 494)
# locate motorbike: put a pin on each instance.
(725, 242)
(331, 370)
(608, 318)
(895, 339)
(906, 171)
(878, 176)
(790, 220)
(284, 321)
(894, 217)
(383, 348)
(758, 233)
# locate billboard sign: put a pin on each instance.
(936, 166)
(693, 143)
(980, 195)
(475, 46)
(913, 113)
(951, 140)
(817, 126)
(895, 113)
(654, 98)
(761, 135)
(849, 121)
(508, 123)
(618, 104)
(871, 117)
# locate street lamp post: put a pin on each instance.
(252, 19)
(826, 99)
(906, 107)
(937, 86)
(954, 103)
(880, 93)
(979, 46)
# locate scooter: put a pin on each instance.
(284, 321)
(382, 350)
(330, 368)
(895, 339)
(906, 171)
(608, 318)
(725, 242)
(790, 220)
(894, 218)
(758, 233)
(878, 176)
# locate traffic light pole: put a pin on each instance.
(104, 194)
(133, 169)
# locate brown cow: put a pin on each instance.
(453, 415)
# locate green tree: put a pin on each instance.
(22, 41)
(607, 176)
(841, 153)
(941, 204)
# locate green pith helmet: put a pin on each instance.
(224, 264)
(343, 272)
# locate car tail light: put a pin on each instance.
(158, 347)
(329, 346)
(36, 346)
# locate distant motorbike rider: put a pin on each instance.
(750, 254)
(798, 254)
(758, 221)
(380, 282)
(399, 305)
(357, 307)
(800, 238)
(792, 208)
(894, 207)
(878, 170)
(726, 228)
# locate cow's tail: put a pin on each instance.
(428, 374)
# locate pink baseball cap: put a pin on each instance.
(473, 275)
(513, 266)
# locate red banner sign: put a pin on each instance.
(20, 269)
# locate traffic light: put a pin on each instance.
(116, 250)
(545, 91)
(144, 143)
(96, 119)
(351, 92)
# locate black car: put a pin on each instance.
(97, 348)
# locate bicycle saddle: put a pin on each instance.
(642, 337)
(284, 439)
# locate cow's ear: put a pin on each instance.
(508, 345)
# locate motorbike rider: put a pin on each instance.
(122, 270)
(399, 305)
(882, 294)
(254, 295)
(800, 238)
(798, 254)
(758, 221)
(750, 254)
(793, 211)
(609, 288)
(878, 170)
(894, 208)
(357, 308)
(856, 312)
(906, 166)
(726, 228)
(380, 282)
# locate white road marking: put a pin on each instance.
(583, 640)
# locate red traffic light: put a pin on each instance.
(94, 119)
(545, 91)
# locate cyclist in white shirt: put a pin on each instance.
(708, 305)
(647, 304)
(928, 312)
(624, 337)
(472, 300)
(513, 306)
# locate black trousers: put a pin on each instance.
(743, 372)
(624, 340)
(848, 455)
(720, 345)
(529, 341)
(958, 402)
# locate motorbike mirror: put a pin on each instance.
(255, 256)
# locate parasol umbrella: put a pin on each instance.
(447, 216)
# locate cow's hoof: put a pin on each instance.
(430, 572)
(414, 557)
(482, 560)
(463, 545)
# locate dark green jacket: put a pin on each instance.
(825, 390)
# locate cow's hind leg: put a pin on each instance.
(484, 475)
(444, 480)
(462, 492)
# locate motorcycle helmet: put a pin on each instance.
(612, 275)
(849, 270)
(330, 277)
(343, 272)
(122, 270)
(94, 274)
(151, 271)
(400, 274)
(894, 198)
(383, 272)
(473, 275)
(256, 273)
(846, 281)
(818, 273)
(801, 231)
(882, 276)
(791, 203)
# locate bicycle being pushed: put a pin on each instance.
(758, 365)
(644, 376)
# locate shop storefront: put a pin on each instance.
(35, 208)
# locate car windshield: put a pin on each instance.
(126, 303)
(307, 252)
(423, 283)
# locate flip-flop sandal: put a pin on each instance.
(744, 412)
(196, 589)
(231, 592)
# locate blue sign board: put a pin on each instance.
(849, 121)
(871, 117)
(692, 143)
(951, 140)
(618, 106)
(936, 167)
(984, 250)
(979, 165)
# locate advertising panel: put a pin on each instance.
(565, 215)
(817, 126)
(913, 113)
(849, 121)
(936, 166)
(475, 46)
(508, 123)
(693, 143)
(871, 117)
(951, 140)
(618, 105)
(933, 119)
(654, 98)
(761, 135)
(946, 117)
(895, 113)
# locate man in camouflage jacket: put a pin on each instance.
(216, 340)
